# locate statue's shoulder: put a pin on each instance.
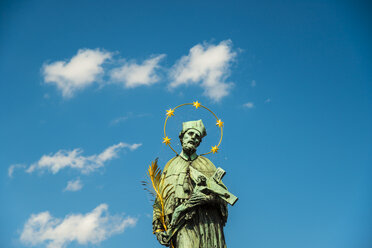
(204, 165)
(206, 161)
(169, 163)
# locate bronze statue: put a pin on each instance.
(190, 208)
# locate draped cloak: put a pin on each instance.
(203, 227)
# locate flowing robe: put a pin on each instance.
(203, 227)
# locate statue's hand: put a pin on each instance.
(198, 198)
(162, 238)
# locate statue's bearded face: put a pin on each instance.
(190, 141)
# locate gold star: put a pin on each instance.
(196, 104)
(219, 123)
(214, 149)
(170, 112)
(166, 140)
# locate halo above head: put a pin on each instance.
(198, 125)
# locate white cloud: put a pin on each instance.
(134, 146)
(207, 65)
(13, 167)
(92, 227)
(118, 120)
(126, 117)
(74, 185)
(249, 105)
(80, 72)
(133, 75)
(253, 83)
(74, 159)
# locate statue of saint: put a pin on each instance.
(196, 217)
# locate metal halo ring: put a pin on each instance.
(199, 105)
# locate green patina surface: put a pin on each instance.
(194, 217)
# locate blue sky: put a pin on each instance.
(84, 89)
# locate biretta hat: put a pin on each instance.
(197, 125)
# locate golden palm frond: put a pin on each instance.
(160, 193)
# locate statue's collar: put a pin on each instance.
(187, 157)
